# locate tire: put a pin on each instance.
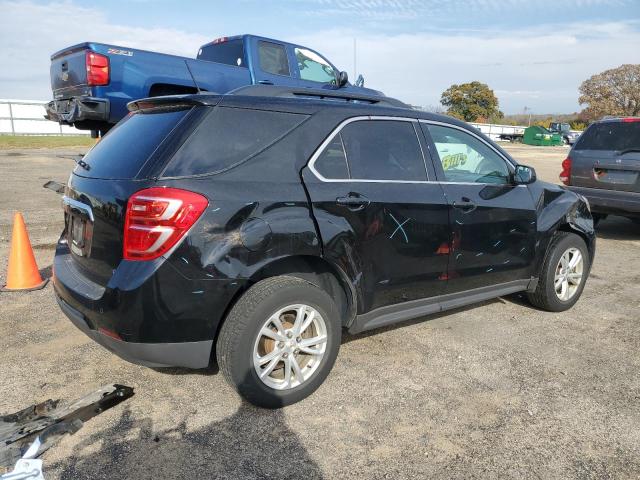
(241, 343)
(545, 296)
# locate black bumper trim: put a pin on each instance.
(78, 109)
(183, 354)
(603, 200)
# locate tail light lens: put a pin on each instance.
(97, 69)
(565, 175)
(157, 218)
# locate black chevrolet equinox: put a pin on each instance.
(252, 228)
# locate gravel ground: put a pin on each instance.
(498, 390)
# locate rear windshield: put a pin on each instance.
(229, 53)
(617, 136)
(126, 148)
(229, 136)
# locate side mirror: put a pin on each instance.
(360, 81)
(343, 79)
(524, 175)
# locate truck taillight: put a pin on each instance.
(157, 218)
(565, 175)
(97, 69)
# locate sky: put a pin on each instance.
(532, 53)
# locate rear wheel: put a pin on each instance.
(563, 274)
(279, 342)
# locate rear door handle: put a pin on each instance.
(265, 82)
(353, 202)
(465, 205)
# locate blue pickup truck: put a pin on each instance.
(93, 82)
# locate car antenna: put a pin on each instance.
(192, 77)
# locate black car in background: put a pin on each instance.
(253, 228)
(604, 167)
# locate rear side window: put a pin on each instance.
(332, 162)
(127, 147)
(229, 53)
(273, 58)
(227, 137)
(617, 136)
(383, 150)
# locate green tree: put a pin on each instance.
(612, 92)
(471, 101)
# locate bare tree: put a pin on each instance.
(612, 92)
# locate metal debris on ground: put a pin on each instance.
(26, 434)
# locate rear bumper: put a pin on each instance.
(78, 109)
(183, 354)
(610, 201)
(148, 313)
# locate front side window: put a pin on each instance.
(273, 58)
(374, 150)
(465, 158)
(313, 67)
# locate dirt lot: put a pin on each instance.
(499, 390)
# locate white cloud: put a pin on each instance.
(544, 64)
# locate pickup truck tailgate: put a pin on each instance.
(69, 72)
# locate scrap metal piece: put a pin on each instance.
(29, 432)
(55, 186)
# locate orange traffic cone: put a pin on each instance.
(23, 271)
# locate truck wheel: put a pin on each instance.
(563, 274)
(279, 341)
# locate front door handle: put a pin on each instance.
(465, 205)
(353, 202)
(265, 82)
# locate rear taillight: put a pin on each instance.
(631, 119)
(157, 218)
(97, 69)
(565, 175)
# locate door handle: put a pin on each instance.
(465, 205)
(265, 82)
(353, 202)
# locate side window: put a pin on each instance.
(313, 67)
(464, 158)
(383, 150)
(332, 164)
(229, 53)
(273, 58)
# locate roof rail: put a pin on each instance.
(316, 93)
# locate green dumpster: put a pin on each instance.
(536, 135)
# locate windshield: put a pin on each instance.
(617, 136)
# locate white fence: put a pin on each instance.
(26, 117)
(494, 131)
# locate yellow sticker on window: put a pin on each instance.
(454, 161)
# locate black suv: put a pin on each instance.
(604, 166)
(252, 228)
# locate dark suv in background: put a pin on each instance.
(253, 228)
(604, 166)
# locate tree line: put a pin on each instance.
(613, 92)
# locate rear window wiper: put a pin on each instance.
(628, 150)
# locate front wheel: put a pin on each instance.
(563, 274)
(279, 341)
